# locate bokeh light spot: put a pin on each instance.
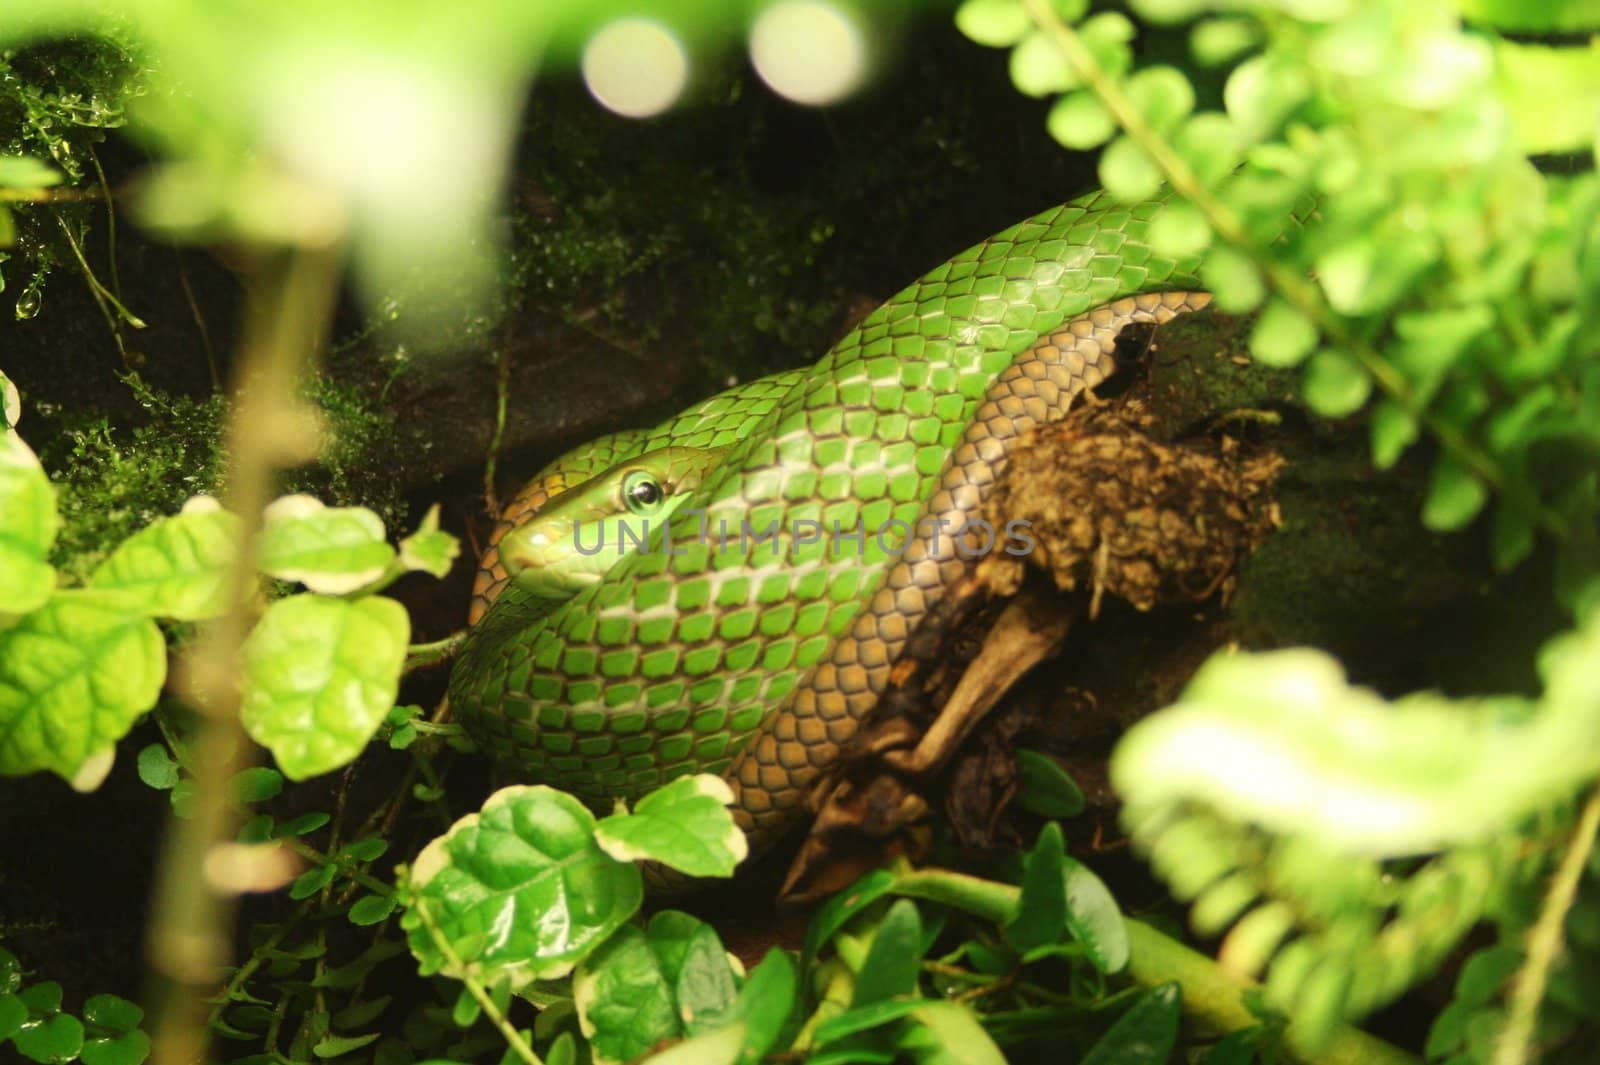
(636, 67)
(811, 51)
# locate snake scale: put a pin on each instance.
(757, 658)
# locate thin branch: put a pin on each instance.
(513, 1037)
(1546, 939)
(190, 932)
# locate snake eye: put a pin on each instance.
(642, 492)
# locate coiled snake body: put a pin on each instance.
(757, 658)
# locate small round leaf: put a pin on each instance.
(320, 676)
(1282, 335)
(1335, 385)
(1079, 121)
(1179, 231)
(1127, 172)
(1038, 68)
(685, 824)
(994, 23)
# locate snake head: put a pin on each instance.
(580, 534)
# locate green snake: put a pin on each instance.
(608, 673)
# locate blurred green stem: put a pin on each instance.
(1212, 997)
(191, 931)
(1545, 940)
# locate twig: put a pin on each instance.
(1545, 940)
(513, 1037)
(190, 932)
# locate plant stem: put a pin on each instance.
(1545, 940)
(513, 1037)
(1212, 997)
(419, 655)
(190, 933)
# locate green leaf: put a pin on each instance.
(467, 1009)
(52, 1041)
(1209, 143)
(1094, 919)
(74, 676)
(529, 850)
(8, 230)
(1145, 1035)
(993, 23)
(1511, 533)
(337, 1046)
(1393, 430)
(1168, 12)
(1233, 279)
(1127, 172)
(842, 908)
(767, 1003)
(367, 850)
(950, 1034)
(1455, 496)
(1282, 335)
(1044, 788)
(1217, 42)
(320, 675)
(113, 1013)
(894, 959)
(26, 172)
(1262, 93)
(1520, 16)
(624, 999)
(176, 567)
(372, 909)
(13, 1013)
(257, 784)
(865, 1018)
(685, 824)
(429, 550)
(312, 881)
(333, 550)
(1041, 914)
(43, 997)
(362, 1013)
(1039, 69)
(129, 1048)
(1080, 121)
(304, 824)
(28, 526)
(1163, 95)
(724, 1046)
(1179, 231)
(10, 404)
(695, 966)
(156, 767)
(1335, 385)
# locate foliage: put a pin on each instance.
(1439, 277)
(1433, 279)
(78, 666)
(56, 102)
(33, 1021)
(113, 481)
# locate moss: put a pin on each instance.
(114, 480)
(56, 102)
